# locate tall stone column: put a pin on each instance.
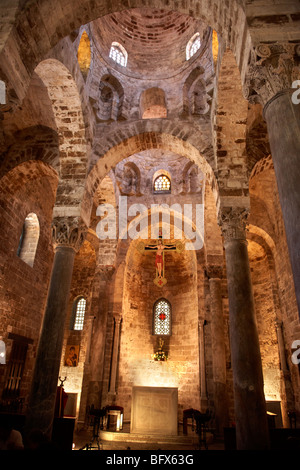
(287, 400)
(250, 407)
(274, 70)
(96, 367)
(67, 236)
(218, 349)
(115, 354)
(203, 389)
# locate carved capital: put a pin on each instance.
(233, 222)
(272, 70)
(68, 231)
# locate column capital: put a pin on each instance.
(272, 70)
(68, 232)
(214, 272)
(233, 222)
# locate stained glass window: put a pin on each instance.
(162, 317)
(193, 46)
(80, 305)
(162, 183)
(118, 54)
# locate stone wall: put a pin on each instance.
(24, 287)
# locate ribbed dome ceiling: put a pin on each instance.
(155, 40)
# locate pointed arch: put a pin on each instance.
(84, 54)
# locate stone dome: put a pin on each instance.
(155, 40)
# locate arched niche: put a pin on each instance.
(153, 104)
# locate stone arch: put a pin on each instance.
(73, 149)
(135, 366)
(33, 143)
(153, 104)
(265, 163)
(135, 144)
(25, 172)
(262, 237)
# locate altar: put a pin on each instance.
(154, 410)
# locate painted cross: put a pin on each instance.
(160, 247)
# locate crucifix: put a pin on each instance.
(160, 247)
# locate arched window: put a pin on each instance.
(84, 53)
(162, 184)
(118, 54)
(29, 239)
(79, 308)
(2, 352)
(162, 317)
(2, 92)
(193, 45)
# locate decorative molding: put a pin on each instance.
(272, 70)
(69, 232)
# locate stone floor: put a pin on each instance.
(124, 440)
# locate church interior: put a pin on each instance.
(149, 222)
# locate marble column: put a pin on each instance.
(218, 349)
(269, 81)
(67, 234)
(115, 354)
(249, 401)
(203, 389)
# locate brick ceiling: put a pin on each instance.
(155, 40)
